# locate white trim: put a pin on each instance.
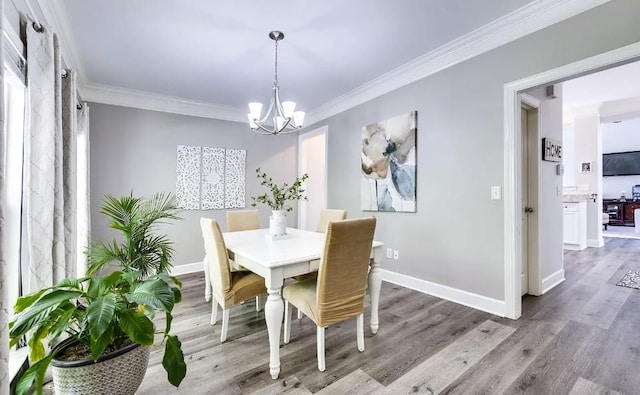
(194, 267)
(512, 261)
(151, 101)
(56, 16)
(552, 280)
(595, 243)
(519, 23)
(302, 204)
(479, 302)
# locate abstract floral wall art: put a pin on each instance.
(388, 164)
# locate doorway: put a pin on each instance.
(312, 160)
(513, 254)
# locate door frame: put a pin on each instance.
(534, 275)
(302, 204)
(512, 158)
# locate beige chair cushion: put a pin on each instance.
(338, 292)
(229, 288)
(242, 220)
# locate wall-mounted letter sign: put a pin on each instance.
(551, 150)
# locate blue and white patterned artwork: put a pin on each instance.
(388, 164)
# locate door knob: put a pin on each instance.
(528, 209)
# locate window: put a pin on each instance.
(14, 101)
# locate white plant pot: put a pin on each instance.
(277, 223)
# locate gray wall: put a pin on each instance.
(456, 236)
(135, 150)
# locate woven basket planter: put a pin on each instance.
(118, 373)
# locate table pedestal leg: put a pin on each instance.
(274, 312)
(375, 283)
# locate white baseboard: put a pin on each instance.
(479, 302)
(552, 280)
(186, 269)
(595, 243)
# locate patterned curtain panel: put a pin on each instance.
(50, 165)
(4, 297)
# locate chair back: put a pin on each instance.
(327, 216)
(216, 257)
(342, 275)
(238, 220)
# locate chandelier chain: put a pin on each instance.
(275, 77)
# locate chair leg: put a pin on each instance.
(225, 325)
(214, 311)
(287, 322)
(320, 341)
(360, 332)
(299, 314)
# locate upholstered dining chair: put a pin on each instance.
(228, 288)
(328, 215)
(339, 290)
(238, 220)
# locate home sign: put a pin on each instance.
(551, 150)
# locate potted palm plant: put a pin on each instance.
(101, 326)
(277, 197)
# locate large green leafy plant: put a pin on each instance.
(108, 312)
(279, 195)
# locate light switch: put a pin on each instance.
(496, 193)
(389, 253)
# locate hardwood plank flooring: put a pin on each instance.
(581, 337)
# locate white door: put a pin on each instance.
(531, 156)
(312, 160)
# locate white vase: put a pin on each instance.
(278, 223)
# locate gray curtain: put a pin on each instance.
(50, 165)
(4, 297)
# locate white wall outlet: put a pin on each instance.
(389, 253)
(496, 192)
(396, 255)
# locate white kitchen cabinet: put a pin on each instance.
(575, 225)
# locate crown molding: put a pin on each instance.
(55, 14)
(606, 112)
(106, 94)
(517, 24)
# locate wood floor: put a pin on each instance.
(582, 337)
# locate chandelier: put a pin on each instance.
(283, 117)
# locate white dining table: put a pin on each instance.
(276, 260)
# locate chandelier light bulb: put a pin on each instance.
(288, 107)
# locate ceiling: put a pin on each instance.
(212, 56)
(611, 94)
(218, 51)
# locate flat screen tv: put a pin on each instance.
(621, 164)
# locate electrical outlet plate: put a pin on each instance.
(389, 253)
(396, 255)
